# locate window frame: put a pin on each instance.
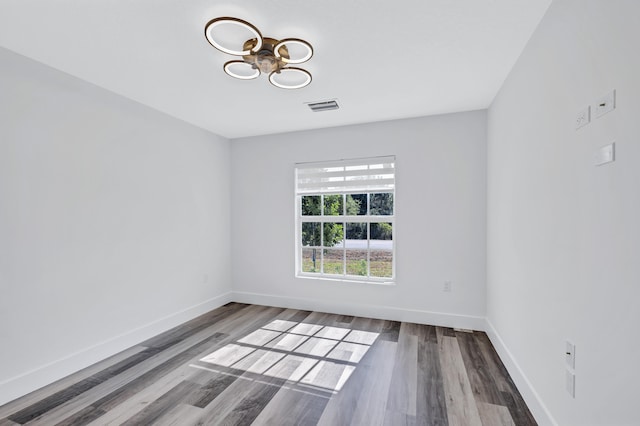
(344, 219)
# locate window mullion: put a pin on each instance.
(344, 248)
(368, 249)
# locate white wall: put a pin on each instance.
(563, 235)
(111, 215)
(440, 219)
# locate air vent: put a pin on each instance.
(323, 106)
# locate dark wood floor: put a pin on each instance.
(247, 364)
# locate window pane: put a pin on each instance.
(381, 204)
(357, 262)
(333, 234)
(333, 205)
(381, 263)
(381, 235)
(311, 205)
(310, 260)
(310, 233)
(356, 235)
(333, 261)
(356, 204)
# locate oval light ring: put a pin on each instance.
(214, 23)
(294, 42)
(241, 70)
(299, 78)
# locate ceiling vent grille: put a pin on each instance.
(323, 106)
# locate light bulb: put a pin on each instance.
(266, 63)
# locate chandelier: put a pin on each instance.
(259, 54)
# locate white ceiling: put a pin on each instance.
(380, 59)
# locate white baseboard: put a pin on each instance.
(43, 375)
(362, 310)
(531, 397)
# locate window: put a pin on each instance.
(345, 219)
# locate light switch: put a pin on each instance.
(605, 154)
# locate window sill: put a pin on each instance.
(383, 282)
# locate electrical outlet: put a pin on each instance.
(447, 287)
(583, 118)
(605, 104)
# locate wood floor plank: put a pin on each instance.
(373, 396)
(62, 384)
(483, 384)
(249, 364)
(509, 394)
(342, 406)
(449, 332)
(235, 320)
(301, 409)
(518, 409)
(245, 320)
(211, 389)
(122, 393)
(493, 364)
(245, 398)
(345, 319)
(118, 396)
(390, 331)
(141, 400)
(495, 415)
(182, 332)
(241, 400)
(259, 394)
(431, 408)
(299, 315)
(180, 415)
(64, 395)
(71, 400)
(461, 405)
(403, 390)
(163, 405)
(49, 414)
(82, 417)
(395, 418)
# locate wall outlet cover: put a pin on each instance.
(583, 118)
(570, 355)
(605, 104)
(605, 154)
(570, 382)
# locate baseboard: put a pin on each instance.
(363, 310)
(531, 397)
(43, 375)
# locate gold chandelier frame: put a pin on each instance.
(263, 55)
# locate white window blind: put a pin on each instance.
(346, 176)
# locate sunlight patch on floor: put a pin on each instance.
(307, 354)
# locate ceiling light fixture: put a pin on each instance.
(259, 54)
